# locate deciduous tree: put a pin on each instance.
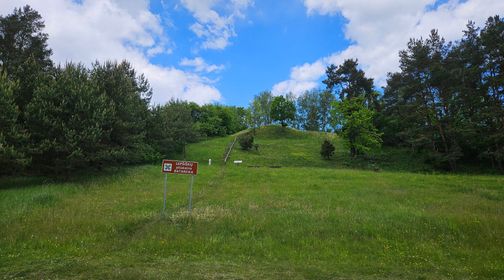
(282, 110)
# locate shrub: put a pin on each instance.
(327, 149)
(246, 141)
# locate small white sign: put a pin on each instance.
(167, 167)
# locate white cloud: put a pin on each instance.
(216, 29)
(116, 30)
(379, 29)
(200, 65)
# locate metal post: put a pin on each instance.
(165, 187)
(190, 193)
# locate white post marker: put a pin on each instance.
(209, 161)
(179, 167)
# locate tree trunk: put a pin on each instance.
(353, 151)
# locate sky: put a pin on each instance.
(227, 51)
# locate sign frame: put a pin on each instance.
(179, 167)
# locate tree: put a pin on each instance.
(355, 123)
(253, 119)
(69, 121)
(212, 120)
(347, 81)
(13, 139)
(24, 53)
(425, 95)
(261, 108)
(246, 141)
(326, 99)
(127, 95)
(314, 110)
(282, 110)
(492, 44)
(327, 149)
(308, 113)
(171, 128)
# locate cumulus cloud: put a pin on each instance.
(116, 30)
(379, 29)
(215, 27)
(200, 65)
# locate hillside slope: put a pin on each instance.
(309, 219)
(284, 147)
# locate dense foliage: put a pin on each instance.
(448, 99)
(283, 110)
(246, 141)
(327, 149)
(58, 119)
(355, 123)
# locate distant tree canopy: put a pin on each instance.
(260, 110)
(282, 110)
(313, 110)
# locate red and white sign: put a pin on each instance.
(180, 167)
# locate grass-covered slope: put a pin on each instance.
(289, 147)
(322, 221)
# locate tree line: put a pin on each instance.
(55, 119)
(446, 103)
(447, 100)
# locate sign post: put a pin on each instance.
(165, 187)
(190, 193)
(179, 167)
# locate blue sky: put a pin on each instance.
(274, 36)
(226, 51)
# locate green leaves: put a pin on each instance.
(67, 118)
(448, 98)
(282, 110)
(13, 155)
(355, 123)
(327, 149)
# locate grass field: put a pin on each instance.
(305, 219)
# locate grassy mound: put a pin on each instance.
(284, 147)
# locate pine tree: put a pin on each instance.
(13, 139)
(68, 120)
(24, 53)
(127, 95)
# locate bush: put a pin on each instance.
(327, 149)
(246, 141)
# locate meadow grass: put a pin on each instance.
(308, 219)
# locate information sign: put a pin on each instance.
(180, 167)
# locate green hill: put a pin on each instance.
(287, 147)
(308, 219)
